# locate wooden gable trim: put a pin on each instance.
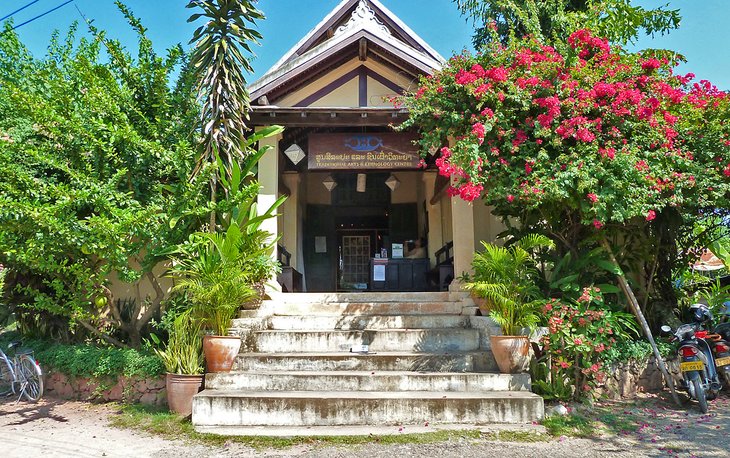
(362, 72)
(363, 86)
(328, 89)
(420, 67)
(392, 85)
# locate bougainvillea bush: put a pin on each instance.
(589, 142)
(611, 134)
(579, 334)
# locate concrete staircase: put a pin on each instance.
(428, 362)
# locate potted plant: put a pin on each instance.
(220, 271)
(505, 278)
(215, 279)
(183, 361)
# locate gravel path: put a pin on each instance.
(54, 428)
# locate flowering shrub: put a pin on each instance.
(579, 333)
(608, 134)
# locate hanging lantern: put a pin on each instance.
(329, 183)
(392, 182)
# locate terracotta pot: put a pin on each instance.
(220, 352)
(180, 392)
(512, 353)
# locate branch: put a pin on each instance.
(155, 305)
(634, 304)
(102, 336)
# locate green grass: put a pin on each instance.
(573, 425)
(591, 423)
(160, 422)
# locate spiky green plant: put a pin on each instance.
(220, 60)
(183, 353)
(505, 278)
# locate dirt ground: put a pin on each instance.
(650, 426)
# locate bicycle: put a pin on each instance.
(20, 374)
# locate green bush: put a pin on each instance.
(96, 362)
(633, 350)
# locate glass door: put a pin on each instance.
(355, 254)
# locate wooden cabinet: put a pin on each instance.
(400, 274)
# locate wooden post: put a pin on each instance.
(634, 304)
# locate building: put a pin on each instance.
(359, 203)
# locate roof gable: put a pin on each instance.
(352, 24)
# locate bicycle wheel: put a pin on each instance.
(31, 379)
(6, 377)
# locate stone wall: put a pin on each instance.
(626, 379)
(145, 391)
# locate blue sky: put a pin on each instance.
(703, 37)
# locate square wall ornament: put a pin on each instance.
(295, 153)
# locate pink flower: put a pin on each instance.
(650, 215)
(651, 64)
(510, 198)
(592, 197)
(597, 224)
(528, 166)
(479, 131)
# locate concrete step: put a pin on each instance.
(419, 340)
(371, 430)
(310, 298)
(361, 322)
(361, 308)
(476, 361)
(367, 381)
(223, 408)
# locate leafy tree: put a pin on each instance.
(95, 160)
(552, 21)
(584, 145)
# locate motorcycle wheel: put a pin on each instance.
(700, 394)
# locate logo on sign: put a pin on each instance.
(364, 143)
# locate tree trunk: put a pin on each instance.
(634, 305)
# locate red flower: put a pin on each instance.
(650, 215)
(510, 198)
(597, 224)
(592, 197)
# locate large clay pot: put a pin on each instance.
(220, 352)
(180, 392)
(512, 353)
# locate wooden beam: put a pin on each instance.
(363, 49)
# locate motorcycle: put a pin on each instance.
(721, 347)
(696, 359)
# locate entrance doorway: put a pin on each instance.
(359, 239)
(346, 238)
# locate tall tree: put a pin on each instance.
(221, 60)
(552, 21)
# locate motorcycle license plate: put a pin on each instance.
(691, 366)
(722, 361)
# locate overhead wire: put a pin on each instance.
(40, 15)
(19, 9)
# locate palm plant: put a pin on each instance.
(216, 275)
(505, 278)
